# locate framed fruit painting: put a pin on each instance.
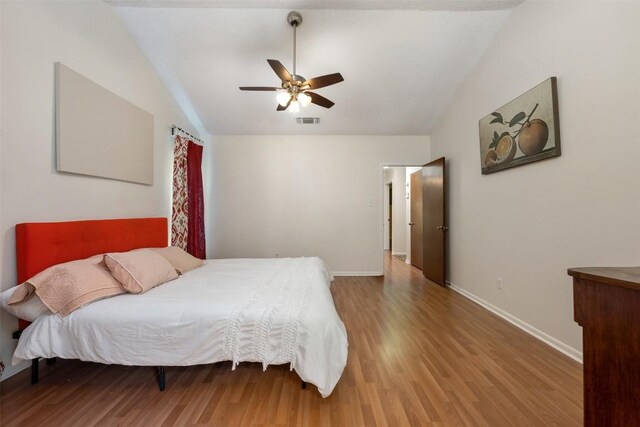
(525, 130)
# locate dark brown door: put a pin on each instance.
(416, 219)
(434, 224)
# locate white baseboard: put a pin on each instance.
(358, 273)
(11, 370)
(531, 330)
(398, 253)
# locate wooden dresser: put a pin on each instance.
(606, 303)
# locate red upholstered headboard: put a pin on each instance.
(40, 245)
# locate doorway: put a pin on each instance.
(414, 221)
(394, 223)
(386, 224)
(396, 237)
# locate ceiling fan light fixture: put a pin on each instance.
(283, 98)
(291, 94)
(305, 100)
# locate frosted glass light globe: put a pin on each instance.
(305, 100)
(283, 98)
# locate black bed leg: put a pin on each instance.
(304, 385)
(51, 361)
(34, 371)
(161, 378)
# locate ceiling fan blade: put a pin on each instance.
(260, 88)
(282, 72)
(322, 81)
(281, 108)
(320, 100)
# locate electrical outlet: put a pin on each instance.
(499, 283)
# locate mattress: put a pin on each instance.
(272, 311)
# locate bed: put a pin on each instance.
(271, 311)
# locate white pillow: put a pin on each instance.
(29, 309)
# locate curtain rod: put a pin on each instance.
(175, 129)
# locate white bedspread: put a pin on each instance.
(272, 311)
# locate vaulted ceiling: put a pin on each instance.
(402, 66)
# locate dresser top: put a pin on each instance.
(626, 277)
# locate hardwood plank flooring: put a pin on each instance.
(419, 354)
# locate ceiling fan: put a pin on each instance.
(295, 89)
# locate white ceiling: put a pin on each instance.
(401, 67)
(328, 4)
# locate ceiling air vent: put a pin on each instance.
(308, 120)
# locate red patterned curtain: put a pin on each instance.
(180, 206)
(187, 216)
(196, 244)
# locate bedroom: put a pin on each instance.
(275, 187)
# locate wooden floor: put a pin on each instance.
(419, 354)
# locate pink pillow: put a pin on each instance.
(179, 259)
(139, 270)
(66, 287)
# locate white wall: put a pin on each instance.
(529, 224)
(394, 176)
(399, 228)
(303, 195)
(88, 37)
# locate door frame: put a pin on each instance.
(382, 187)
